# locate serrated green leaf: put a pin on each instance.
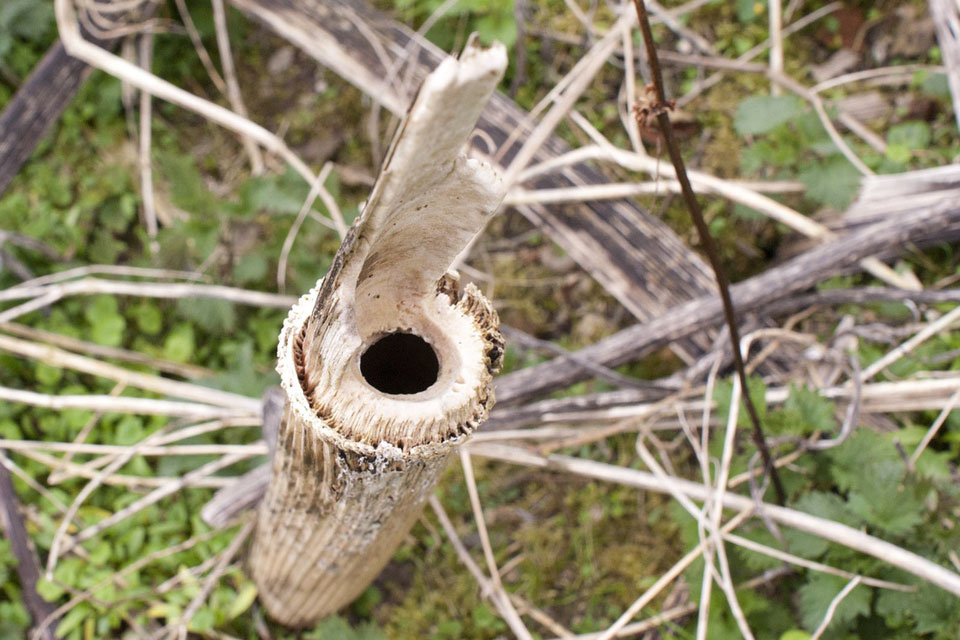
(827, 505)
(805, 545)
(813, 410)
(935, 465)
(760, 114)
(869, 468)
(934, 609)
(820, 590)
(27, 19)
(186, 186)
(832, 183)
(338, 628)
(894, 509)
(284, 193)
(487, 620)
(754, 560)
(859, 461)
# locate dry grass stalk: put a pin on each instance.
(496, 596)
(233, 87)
(58, 358)
(386, 364)
(99, 58)
(826, 529)
(140, 406)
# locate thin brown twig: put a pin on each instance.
(663, 118)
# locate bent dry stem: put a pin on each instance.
(660, 108)
(387, 364)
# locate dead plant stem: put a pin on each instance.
(666, 130)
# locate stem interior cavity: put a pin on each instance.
(400, 363)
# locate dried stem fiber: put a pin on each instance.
(387, 364)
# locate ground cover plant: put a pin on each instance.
(131, 383)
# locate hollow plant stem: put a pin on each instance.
(387, 364)
(706, 241)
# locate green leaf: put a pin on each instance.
(820, 590)
(749, 10)
(911, 135)
(203, 620)
(795, 634)
(833, 183)
(336, 628)
(500, 27)
(48, 375)
(363, 605)
(215, 316)
(109, 331)
(868, 466)
(148, 318)
(485, 619)
(250, 268)
(242, 375)
(859, 461)
(27, 19)
(936, 84)
(813, 410)
(48, 590)
(891, 508)
(106, 324)
(179, 344)
(100, 553)
(929, 609)
(129, 430)
(72, 620)
(760, 114)
(284, 193)
(805, 545)
(829, 506)
(722, 394)
(898, 153)
(187, 188)
(753, 560)
(934, 609)
(243, 601)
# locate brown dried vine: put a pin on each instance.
(655, 103)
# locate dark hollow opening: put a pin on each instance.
(400, 363)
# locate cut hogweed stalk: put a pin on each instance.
(387, 363)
